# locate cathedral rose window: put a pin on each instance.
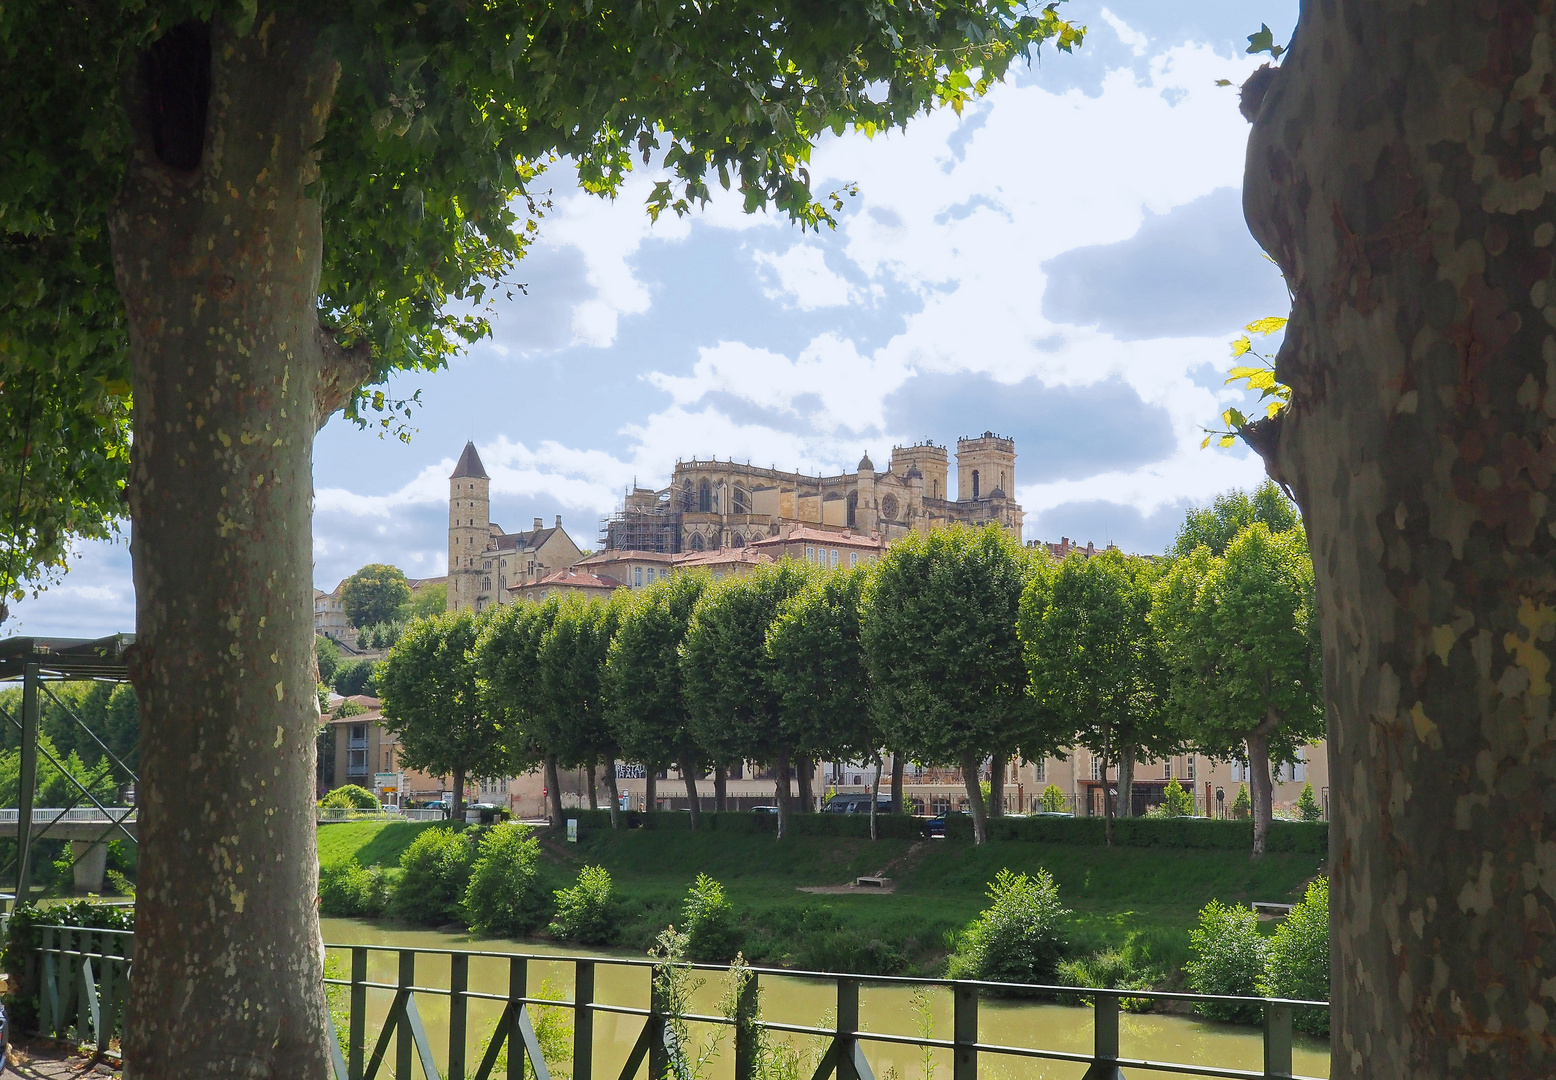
(889, 507)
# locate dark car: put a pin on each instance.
(935, 826)
(856, 804)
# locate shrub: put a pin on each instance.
(1111, 969)
(584, 912)
(350, 891)
(504, 896)
(1175, 801)
(1018, 937)
(1242, 806)
(1307, 805)
(436, 869)
(353, 678)
(1053, 799)
(1297, 958)
(708, 921)
(1226, 957)
(350, 797)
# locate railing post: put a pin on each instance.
(403, 1037)
(964, 1032)
(1277, 1041)
(27, 782)
(583, 1020)
(747, 1037)
(658, 1057)
(847, 1027)
(458, 986)
(47, 983)
(356, 1022)
(1104, 1062)
(518, 990)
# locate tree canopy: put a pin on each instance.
(1229, 513)
(375, 594)
(940, 618)
(1239, 633)
(1095, 667)
(432, 703)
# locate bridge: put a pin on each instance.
(89, 830)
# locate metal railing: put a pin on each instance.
(83, 975)
(90, 815)
(388, 813)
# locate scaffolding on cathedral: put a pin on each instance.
(647, 521)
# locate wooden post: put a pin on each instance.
(458, 1004)
(1277, 1041)
(964, 1032)
(356, 1041)
(583, 1020)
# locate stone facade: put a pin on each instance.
(722, 504)
(484, 561)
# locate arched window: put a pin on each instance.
(975, 483)
(741, 501)
(705, 497)
(486, 584)
(688, 500)
(737, 541)
(853, 507)
(697, 537)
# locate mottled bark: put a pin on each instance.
(897, 764)
(997, 786)
(975, 797)
(689, 775)
(720, 788)
(1261, 786)
(613, 791)
(650, 790)
(594, 798)
(806, 768)
(1401, 171)
(217, 252)
(1107, 794)
(875, 798)
(1126, 781)
(554, 789)
(456, 806)
(781, 790)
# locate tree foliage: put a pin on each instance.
(511, 691)
(817, 668)
(643, 674)
(1095, 668)
(431, 702)
(374, 595)
(1229, 513)
(1019, 937)
(940, 636)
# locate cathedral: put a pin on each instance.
(721, 504)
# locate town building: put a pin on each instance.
(484, 561)
(722, 504)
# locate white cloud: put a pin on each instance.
(1131, 37)
(804, 279)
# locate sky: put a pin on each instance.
(1065, 263)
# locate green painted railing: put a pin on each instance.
(84, 977)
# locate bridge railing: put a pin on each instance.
(329, 814)
(43, 815)
(83, 978)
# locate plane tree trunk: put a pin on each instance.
(1126, 781)
(217, 251)
(689, 775)
(975, 797)
(553, 789)
(613, 791)
(896, 783)
(997, 786)
(1398, 172)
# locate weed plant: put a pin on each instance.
(351, 891)
(1019, 937)
(504, 896)
(709, 921)
(586, 911)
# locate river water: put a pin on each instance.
(883, 1008)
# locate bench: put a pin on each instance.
(1265, 907)
(874, 881)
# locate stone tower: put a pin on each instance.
(929, 459)
(985, 464)
(469, 519)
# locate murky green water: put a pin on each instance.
(883, 1008)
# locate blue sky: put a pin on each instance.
(1065, 263)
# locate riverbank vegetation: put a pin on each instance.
(959, 648)
(1128, 910)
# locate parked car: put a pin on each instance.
(856, 804)
(935, 826)
(764, 809)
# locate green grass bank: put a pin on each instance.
(1143, 900)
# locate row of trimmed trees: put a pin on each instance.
(956, 648)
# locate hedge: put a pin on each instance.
(750, 823)
(1307, 837)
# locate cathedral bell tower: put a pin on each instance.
(469, 518)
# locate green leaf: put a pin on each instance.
(1264, 41)
(1223, 82)
(1266, 326)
